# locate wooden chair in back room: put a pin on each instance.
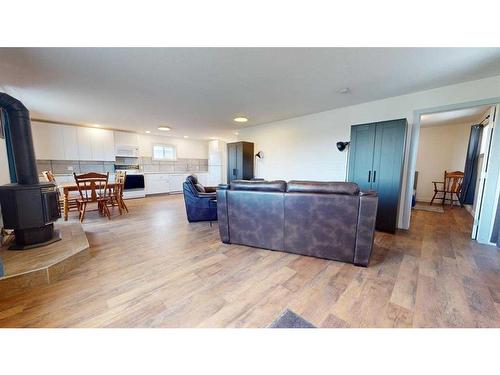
(452, 185)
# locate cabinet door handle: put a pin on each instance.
(374, 175)
(369, 175)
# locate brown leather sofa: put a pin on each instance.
(331, 220)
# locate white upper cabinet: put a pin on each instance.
(126, 139)
(102, 144)
(62, 142)
(84, 143)
(70, 142)
(48, 141)
(108, 138)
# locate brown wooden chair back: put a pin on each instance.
(453, 181)
(92, 186)
(49, 176)
(120, 177)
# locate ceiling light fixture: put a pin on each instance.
(96, 126)
(240, 119)
(164, 128)
(186, 136)
(147, 131)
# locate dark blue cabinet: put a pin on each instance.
(376, 158)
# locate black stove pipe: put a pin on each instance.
(21, 139)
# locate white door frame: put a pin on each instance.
(483, 172)
(415, 135)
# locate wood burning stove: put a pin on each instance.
(29, 207)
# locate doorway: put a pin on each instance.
(451, 155)
(490, 180)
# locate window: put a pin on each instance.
(164, 152)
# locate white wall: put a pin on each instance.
(441, 148)
(186, 148)
(304, 147)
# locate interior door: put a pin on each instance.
(361, 155)
(483, 172)
(388, 171)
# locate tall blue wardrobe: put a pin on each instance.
(376, 156)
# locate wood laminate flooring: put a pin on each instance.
(151, 268)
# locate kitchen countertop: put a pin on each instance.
(112, 173)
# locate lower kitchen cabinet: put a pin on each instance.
(161, 183)
(156, 183)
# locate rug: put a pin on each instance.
(422, 206)
(288, 319)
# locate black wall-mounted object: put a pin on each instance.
(28, 206)
(240, 158)
(341, 146)
(376, 158)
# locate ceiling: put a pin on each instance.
(198, 91)
(460, 116)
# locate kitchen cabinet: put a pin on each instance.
(376, 163)
(48, 141)
(160, 183)
(126, 139)
(64, 142)
(95, 144)
(84, 144)
(102, 144)
(156, 183)
(202, 179)
(70, 142)
(175, 182)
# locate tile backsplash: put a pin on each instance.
(146, 164)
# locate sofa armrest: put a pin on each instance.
(367, 215)
(222, 215)
(206, 195)
(210, 189)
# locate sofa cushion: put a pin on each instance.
(199, 187)
(323, 187)
(256, 219)
(321, 225)
(276, 186)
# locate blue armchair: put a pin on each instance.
(201, 202)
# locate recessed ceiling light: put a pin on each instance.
(147, 131)
(186, 136)
(240, 119)
(236, 133)
(344, 90)
(164, 128)
(96, 125)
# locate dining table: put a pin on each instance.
(71, 186)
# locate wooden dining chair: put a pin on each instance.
(452, 185)
(72, 199)
(93, 188)
(116, 193)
